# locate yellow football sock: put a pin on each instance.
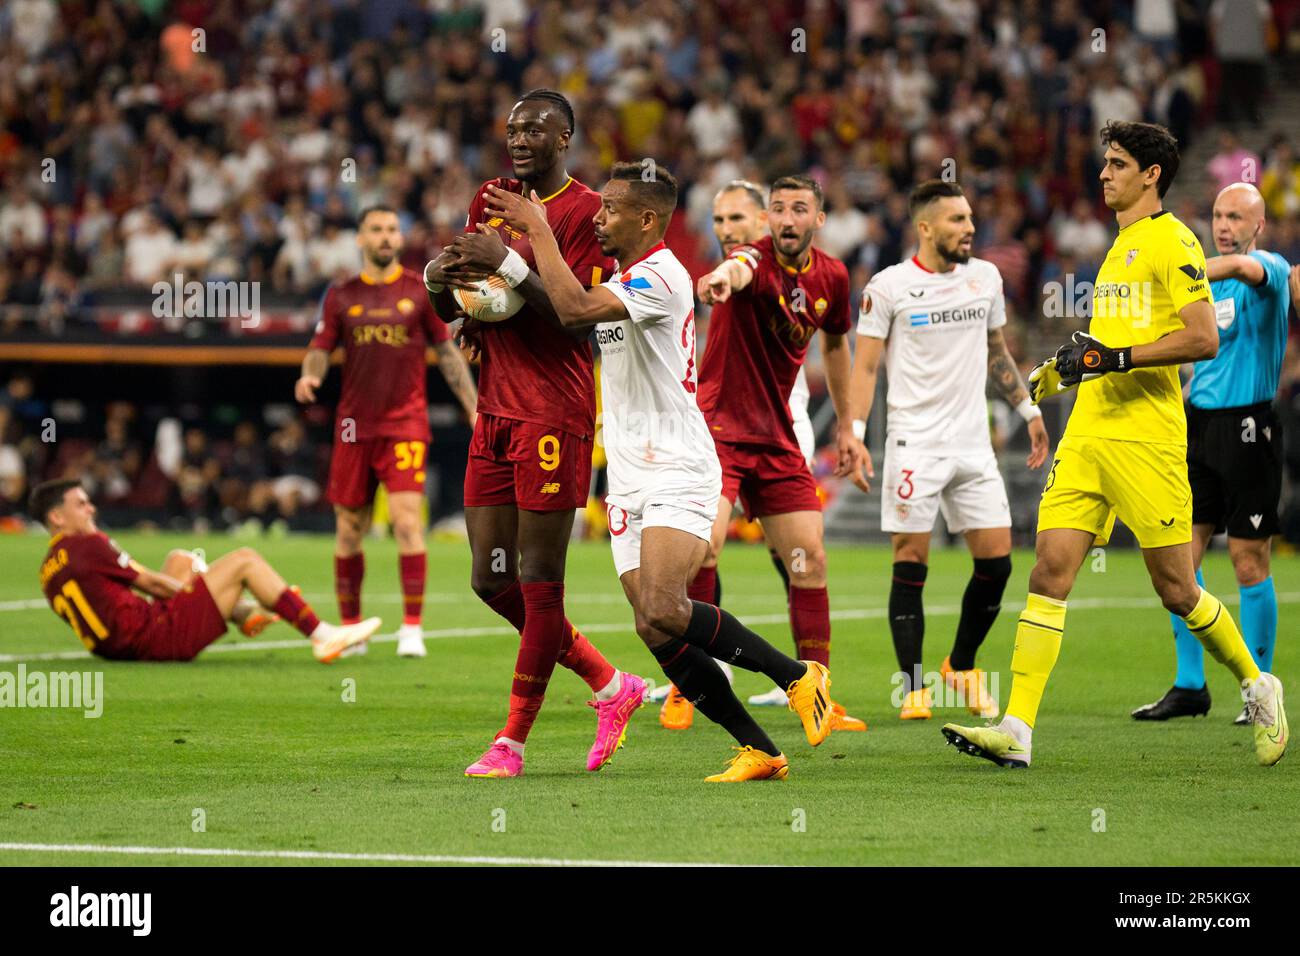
(1038, 642)
(1218, 634)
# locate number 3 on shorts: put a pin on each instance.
(410, 454)
(548, 452)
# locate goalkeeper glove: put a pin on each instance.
(1045, 382)
(1085, 358)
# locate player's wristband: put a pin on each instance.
(434, 287)
(513, 268)
(1028, 410)
(860, 429)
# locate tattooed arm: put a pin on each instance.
(1006, 379)
(456, 373)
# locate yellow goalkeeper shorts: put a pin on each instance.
(1095, 480)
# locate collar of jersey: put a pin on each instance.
(648, 253)
(1155, 215)
(388, 280)
(567, 183)
(790, 271)
(57, 538)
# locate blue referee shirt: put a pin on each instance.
(1252, 339)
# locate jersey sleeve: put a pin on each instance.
(839, 320)
(1183, 270)
(1276, 271)
(107, 559)
(643, 293)
(876, 309)
(581, 250)
(998, 305)
(328, 324)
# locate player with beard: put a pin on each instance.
(664, 476)
(382, 319)
(530, 458)
(938, 319)
(770, 297)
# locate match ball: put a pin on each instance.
(491, 300)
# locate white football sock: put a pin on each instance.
(1017, 728)
(610, 690)
(514, 745)
(323, 631)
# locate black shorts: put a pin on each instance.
(1234, 465)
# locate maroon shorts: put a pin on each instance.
(769, 479)
(357, 468)
(181, 626)
(534, 467)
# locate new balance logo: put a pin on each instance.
(550, 488)
(1255, 520)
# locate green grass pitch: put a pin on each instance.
(260, 745)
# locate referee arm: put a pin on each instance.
(1246, 268)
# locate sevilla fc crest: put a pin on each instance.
(1130, 256)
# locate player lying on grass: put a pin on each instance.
(664, 476)
(92, 585)
(1124, 452)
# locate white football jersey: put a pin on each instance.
(654, 433)
(937, 355)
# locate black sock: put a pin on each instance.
(780, 569)
(907, 619)
(701, 681)
(717, 633)
(979, 608)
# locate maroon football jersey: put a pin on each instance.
(757, 341)
(87, 581)
(530, 370)
(384, 328)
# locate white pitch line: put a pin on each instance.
(849, 614)
(343, 857)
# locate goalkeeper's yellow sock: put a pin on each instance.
(1218, 634)
(1038, 642)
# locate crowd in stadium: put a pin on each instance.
(224, 139)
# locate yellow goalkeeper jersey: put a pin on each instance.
(1154, 268)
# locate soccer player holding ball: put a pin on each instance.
(530, 458)
(1234, 440)
(937, 319)
(664, 476)
(92, 585)
(1124, 452)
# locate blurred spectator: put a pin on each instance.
(195, 490)
(1237, 27)
(1081, 233)
(1280, 183)
(294, 464)
(1233, 163)
(148, 251)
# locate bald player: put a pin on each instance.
(1234, 441)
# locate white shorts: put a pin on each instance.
(968, 490)
(627, 515)
(803, 433)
